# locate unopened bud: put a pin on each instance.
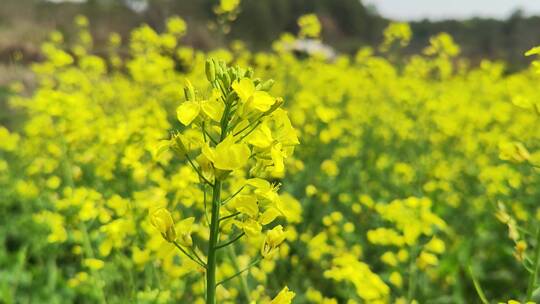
(226, 80)
(273, 239)
(210, 70)
(267, 85)
(279, 101)
(178, 145)
(249, 73)
(189, 91)
(161, 219)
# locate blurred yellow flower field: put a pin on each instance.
(173, 175)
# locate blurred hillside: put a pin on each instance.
(347, 25)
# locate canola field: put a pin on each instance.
(173, 175)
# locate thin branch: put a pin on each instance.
(208, 134)
(198, 171)
(251, 124)
(250, 131)
(224, 123)
(257, 120)
(231, 241)
(478, 287)
(525, 231)
(197, 255)
(229, 216)
(240, 272)
(234, 260)
(201, 263)
(203, 133)
(233, 195)
(529, 269)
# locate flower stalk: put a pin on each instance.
(534, 275)
(227, 156)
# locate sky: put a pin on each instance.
(408, 10)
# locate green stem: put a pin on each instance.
(412, 274)
(234, 260)
(478, 287)
(534, 275)
(214, 231)
(214, 220)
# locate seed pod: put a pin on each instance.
(210, 70)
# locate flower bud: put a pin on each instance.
(278, 103)
(161, 219)
(185, 227)
(221, 67)
(267, 85)
(189, 91)
(226, 79)
(514, 151)
(177, 144)
(210, 70)
(273, 239)
(249, 73)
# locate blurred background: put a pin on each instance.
(495, 29)
(485, 29)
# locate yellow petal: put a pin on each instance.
(184, 228)
(252, 228)
(241, 126)
(231, 156)
(533, 51)
(93, 264)
(186, 225)
(269, 216)
(244, 88)
(187, 112)
(261, 101)
(246, 204)
(213, 109)
(277, 158)
(261, 137)
(259, 183)
(208, 152)
(285, 296)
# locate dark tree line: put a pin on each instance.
(347, 24)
